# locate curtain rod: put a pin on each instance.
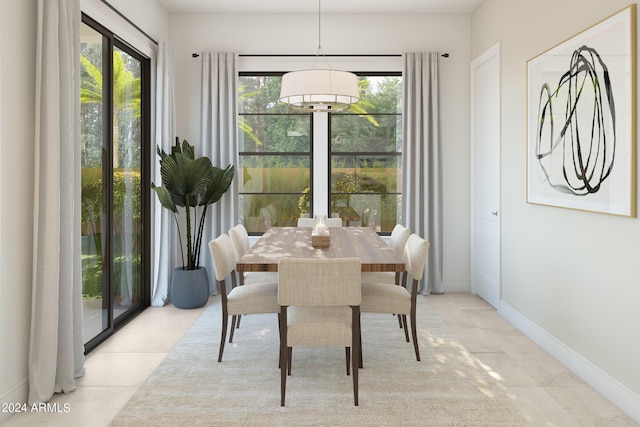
(195, 55)
(121, 15)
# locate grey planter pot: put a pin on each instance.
(189, 288)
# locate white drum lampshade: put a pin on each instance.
(319, 90)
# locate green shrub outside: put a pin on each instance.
(124, 182)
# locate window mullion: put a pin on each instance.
(321, 165)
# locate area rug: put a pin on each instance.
(448, 387)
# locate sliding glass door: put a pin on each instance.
(115, 188)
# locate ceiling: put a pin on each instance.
(327, 6)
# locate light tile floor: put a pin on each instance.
(544, 390)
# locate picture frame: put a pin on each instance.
(581, 120)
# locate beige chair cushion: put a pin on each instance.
(224, 260)
(415, 256)
(383, 298)
(254, 299)
(240, 240)
(399, 236)
(308, 326)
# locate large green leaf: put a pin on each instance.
(219, 184)
(187, 149)
(165, 198)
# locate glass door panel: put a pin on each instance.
(94, 286)
(127, 227)
(114, 140)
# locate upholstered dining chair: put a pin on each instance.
(255, 299)
(399, 236)
(382, 298)
(310, 222)
(241, 244)
(320, 307)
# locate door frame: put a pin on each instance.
(491, 54)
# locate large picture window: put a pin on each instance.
(359, 172)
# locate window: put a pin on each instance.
(114, 108)
(366, 145)
(352, 168)
(275, 156)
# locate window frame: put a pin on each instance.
(111, 41)
(378, 65)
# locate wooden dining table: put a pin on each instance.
(344, 242)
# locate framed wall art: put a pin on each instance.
(581, 135)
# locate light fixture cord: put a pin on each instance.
(320, 51)
(319, 27)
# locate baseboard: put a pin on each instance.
(17, 395)
(619, 394)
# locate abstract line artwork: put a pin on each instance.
(584, 155)
(581, 126)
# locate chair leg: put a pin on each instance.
(360, 342)
(238, 324)
(347, 352)
(280, 337)
(289, 354)
(406, 331)
(282, 320)
(414, 334)
(356, 356)
(399, 321)
(224, 334)
(233, 327)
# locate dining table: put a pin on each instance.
(344, 242)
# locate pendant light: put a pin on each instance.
(319, 89)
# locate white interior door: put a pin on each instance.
(485, 176)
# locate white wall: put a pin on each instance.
(572, 276)
(17, 50)
(349, 34)
(17, 136)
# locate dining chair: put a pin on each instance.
(398, 239)
(399, 236)
(382, 298)
(319, 307)
(241, 244)
(310, 222)
(254, 299)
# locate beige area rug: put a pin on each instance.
(447, 388)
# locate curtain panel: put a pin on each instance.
(422, 160)
(165, 234)
(56, 344)
(218, 141)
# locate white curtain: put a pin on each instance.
(422, 160)
(165, 240)
(218, 135)
(56, 345)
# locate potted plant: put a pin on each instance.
(190, 185)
